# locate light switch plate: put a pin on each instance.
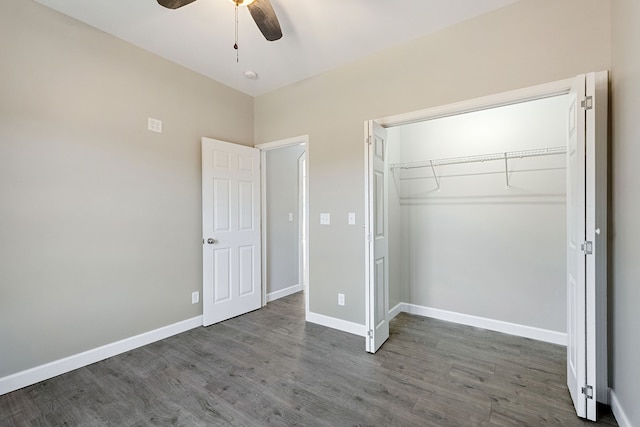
(325, 219)
(352, 218)
(290, 217)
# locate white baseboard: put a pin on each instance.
(283, 292)
(339, 324)
(395, 311)
(618, 412)
(491, 324)
(43, 372)
(449, 316)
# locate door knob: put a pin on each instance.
(210, 241)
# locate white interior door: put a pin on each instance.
(231, 230)
(378, 286)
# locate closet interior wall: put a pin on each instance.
(473, 246)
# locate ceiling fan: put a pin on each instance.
(261, 11)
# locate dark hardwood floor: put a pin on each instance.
(269, 367)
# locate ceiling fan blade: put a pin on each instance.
(174, 4)
(265, 17)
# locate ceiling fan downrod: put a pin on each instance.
(235, 46)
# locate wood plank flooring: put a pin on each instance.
(269, 367)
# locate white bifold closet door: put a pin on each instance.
(586, 243)
(377, 290)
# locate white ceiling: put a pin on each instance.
(318, 34)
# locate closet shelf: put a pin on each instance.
(505, 157)
(480, 158)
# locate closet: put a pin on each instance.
(477, 214)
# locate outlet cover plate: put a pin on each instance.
(154, 125)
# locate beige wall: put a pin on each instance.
(100, 220)
(624, 340)
(528, 43)
(283, 236)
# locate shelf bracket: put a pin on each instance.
(506, 170)
(434, 174)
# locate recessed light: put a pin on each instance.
(251, 75)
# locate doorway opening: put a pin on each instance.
(477, 217)
(585, 112)
(284, 218)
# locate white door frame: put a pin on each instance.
(533, 93)
(303, 226)
(303, 251)
(597, 225)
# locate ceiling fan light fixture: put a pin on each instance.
(242, 2)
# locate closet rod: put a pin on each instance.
(481, 158)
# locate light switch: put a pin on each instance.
(325, 219)
(352, 218)
(290, 216)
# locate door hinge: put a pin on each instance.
(370, 333)
(587, 103)
(369, 139)
(588, 391)
(587, 247)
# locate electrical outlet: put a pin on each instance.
(154, 125)
(195, 297)
(340, 299)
